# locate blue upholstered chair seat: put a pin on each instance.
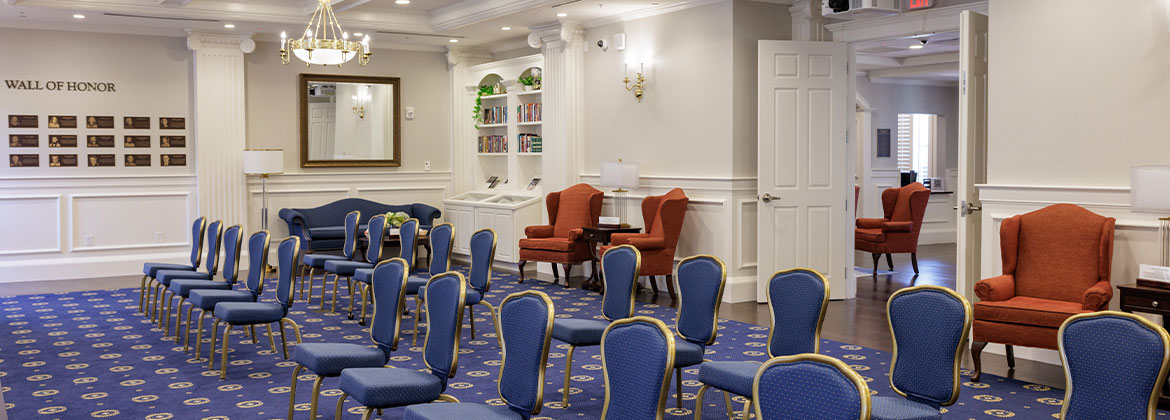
(386, 387)
(318, 260)
(152, 268)
(447, 411)
(345, 268)
(414, 283)
(246, 313)
(183, 287)
(206, 299)
(165, 276)
(898, 408)
(363, 275)
(733, 377)
(331, 232)
(329, 359)
(687, 353)
(579, 332)
(471, 297)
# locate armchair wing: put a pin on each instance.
(297, 226)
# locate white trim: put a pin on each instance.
(469, 12)
(650, 12)
(132, 246)
(912, 82)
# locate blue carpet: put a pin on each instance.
(90, 355)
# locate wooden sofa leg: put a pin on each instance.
(914, 261)
(568, 270)
(876, 259)
(890, 260)
(1011, 356)
(976, 351)
(520, 265)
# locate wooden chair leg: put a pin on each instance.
(557, 275)
(890, 260)
(520, 267)
(568, 273)
(876, 259)
(670, 287)
(654, 285)
(1011, 357)
(914, 261)
(976, 351)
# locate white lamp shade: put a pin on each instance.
(1149, 189)
(267, 161)
(619, 174)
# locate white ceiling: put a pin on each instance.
(937, 61)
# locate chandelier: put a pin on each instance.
(320, 43)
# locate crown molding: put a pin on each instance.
(105, 29)
(457, 54)
(559, 31)
(509, 46)
(470, 12)
(651, 11)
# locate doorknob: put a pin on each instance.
(768, 198)
(967, 208)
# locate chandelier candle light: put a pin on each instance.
(320, 43)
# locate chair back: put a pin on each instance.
(377, 228)
(287, 255)
(408, 239)
(784, 388)
(483, 252)
(233, 240)
(389, 292)
(445, 296)
(214, 243)
(1115, 365)
(797, 299)
(351, 233)
(442, 238)
(700, 288)
(526, 322)
(257, 261)
(637, 355)
(929, 324)
(620, 265)
(1057, 252)
(664, 216)
(197, 228)
(573, 208)
(906, 203)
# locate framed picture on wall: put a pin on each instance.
(173, 141)
(62, 121)
(24, 161)
(137, 142)
(99, 141)
(172, 123)
(136, 123)
(137, 160)
(99, 122)
(23, 140)
(58, 161)
(883, 143)
(23, 121)
(102, 160)
(62, 140)
(173, 160)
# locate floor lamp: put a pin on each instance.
(1149, 192)
(263, 162)
(620, 175)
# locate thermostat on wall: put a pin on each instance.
(619, 41)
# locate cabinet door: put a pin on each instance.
(506, 245)
(463, 220)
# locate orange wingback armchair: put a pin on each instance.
(1056, 264)
(560, 243)
(664, 216)
(898, 231)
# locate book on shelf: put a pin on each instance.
(529, 143)
(494, 115)
(493, 144)
(528, 112)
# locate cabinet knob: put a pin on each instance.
(1154, 304)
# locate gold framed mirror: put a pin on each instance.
(350, 121)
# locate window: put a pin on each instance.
(916, 142)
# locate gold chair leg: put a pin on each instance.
(199, 335)
(568, 376)
(471, 315)
(316, 395)
(678, 390)
(442, 397)
(333, 302)
(211, 351)
(324, 281)
(727, 405)
(302, 281)
(746, 407)
(369, 412)
(283, 342)
(167, 319)
(178, 318)
(418, 303)
(187, 330)
(699, 401)
(142, 293)
(340, 406)
(157, 303)
(365, 300)
(296, 327)
(252, 332)
(271, 340)
(147, 295)
(349, 314)
(223, 357)
(158, 310)
(309, 280)
(495, 322)
(292, 391)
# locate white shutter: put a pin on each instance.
(905, 142)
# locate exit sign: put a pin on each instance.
(912, 5)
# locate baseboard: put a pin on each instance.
(931, 237)
(1025, 353)
(740, 289)
(77, 267)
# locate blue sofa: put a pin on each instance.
(322, 228)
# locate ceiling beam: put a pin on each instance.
(469, 12)
(922, 60)
(877, 60)
(907, 71)
(178, 3)
(343, 5)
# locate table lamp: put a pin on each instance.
(263, 162)
(1149, 192)
(619, 175)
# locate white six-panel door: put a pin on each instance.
(972, 148)
(804, 112)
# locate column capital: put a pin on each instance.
(197, 41)
(565, 31)
(457, 54)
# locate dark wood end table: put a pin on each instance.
(1150, 300)
(600, 236)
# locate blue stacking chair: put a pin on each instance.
(151, 268)
(346, 268)
(379, 388)
(163, 278)
(483, 252)
(442, 239)
(183, 287)
(312, 262)
(407, 238)
(261, 313)
(525, 324)
(930, 325)
(205, 299)
(637, 355)
(701, 279)
(797, 299)
(620, 265)
(1115, 364)
(809, 386)
(327, 360)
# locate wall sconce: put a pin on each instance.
(639, 82)
(359, 102)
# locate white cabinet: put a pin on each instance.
(505, 213)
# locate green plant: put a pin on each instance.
(484, 90)
(396, 219)
(526, 80)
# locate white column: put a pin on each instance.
(807, 22)
(563, 86)
(459, 60)
(219, 125)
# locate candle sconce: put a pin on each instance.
(639, 85)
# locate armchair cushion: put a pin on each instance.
(870, 235)
(539, 231)
(870, 223)
(548, 244)
(1097, 297)
(996, 288)
(1028, 310)
(898, 226)
(646, 244)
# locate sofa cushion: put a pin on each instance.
(870, 235)
(1028, 310)
(548, 244)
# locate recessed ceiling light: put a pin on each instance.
(919, 46)
(506, 28)
(401, 1)
(229, 26)
(562, 14)
(358, 34)
(454, 41)
(79, 16)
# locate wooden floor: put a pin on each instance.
(860, 321)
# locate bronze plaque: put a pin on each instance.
(62, 140)
(99, 141)
(174, 160)
(137, 141)
(137, 160)
(23, 140)
(57, 161)
(136, 123)
(99, 122)
(102, 160)
(173, 141)
(22, 121)
(24, 161)
(62, 121)
(172, 123)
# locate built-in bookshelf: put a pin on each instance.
(509, 141)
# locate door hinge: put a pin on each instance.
(964, 82)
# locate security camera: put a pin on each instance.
(603, 44)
